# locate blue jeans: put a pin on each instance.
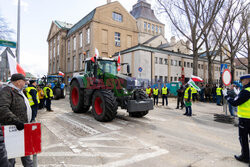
(232, 109)
(214, 98)
(164, 97)
(48, 104)
(202, 96)
(218, 99)
(34, 112)
(188, 110)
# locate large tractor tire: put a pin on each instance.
(76, 99)
(104, 105)
(140, 96)
(57, 93)
(63, 93)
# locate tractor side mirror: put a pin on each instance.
(128, 68)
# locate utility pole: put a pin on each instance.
(18, 33)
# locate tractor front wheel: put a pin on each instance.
(76, 98)
(57, 93)
(104, 105)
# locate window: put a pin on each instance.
(145, 26)
(74, 63)
(58, 38)
(74, 43)
(172, 62)
(117, 17)
(68, 46)
(57, 64)
(166, 61)
(160, 60)
(188, 64)
(160, 29)
(166, 79)
(87, 54)
(149, 27)
(171, 79)
(153, 28)
(156, 29)
(199, 66)
(88, 35)
(175, 78)
(80, 39)
(117, 39)
(68, 64)
(57, 49)
(50, 51)
(237, 73)
(179, 63)
(175, 62)
(54, 68)
(50, 68)
(155, 78)
(191, 65)
(54, 52)
(81, 61)
(161, 78)
(156, 60)
(184, 64)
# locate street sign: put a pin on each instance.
(5, 43)
(223, 67)
(226, 77)
(140, 69)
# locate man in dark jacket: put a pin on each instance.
(33, 98)
(180, 97)
(3, 154)
(48, 92)
(15, 109)
(214, 93)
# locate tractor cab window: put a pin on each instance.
(89, 67)
(108, 66)
(54, 80)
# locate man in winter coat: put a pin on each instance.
(15, 109)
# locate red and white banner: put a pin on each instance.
(196, 79)
(61, 73)
(22, 143)
(14, 66)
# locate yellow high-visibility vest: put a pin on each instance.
(28, 89)
(156, 91)
(218, 91)
(244, 109)
(164, 90)
(193, 90)
(45, 92)
(148, 90)
(186, 93)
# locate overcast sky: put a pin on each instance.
(36, 18)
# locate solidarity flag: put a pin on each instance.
(14, 66)
(196, 79)
(192, 83)
(96, 55)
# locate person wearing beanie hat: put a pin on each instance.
(15, 109)
(242, 100)
(33, 98)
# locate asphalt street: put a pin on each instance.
(163, 138)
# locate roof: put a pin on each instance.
(82, 22)
(205, 53)
(238, 61)
(63, 25)
(142, 9)
(151, 39)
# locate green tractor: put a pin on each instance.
(101, 87)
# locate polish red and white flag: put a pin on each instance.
(22, 143)
(14, 66)
(119, 62)
(61, 73)
(196, 79)
(96, 55)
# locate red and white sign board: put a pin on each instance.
(226, 77)
(24, 142)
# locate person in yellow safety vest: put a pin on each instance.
(155, 95)
(164, 92)
(149, 91)
(194, 94)
(41, 97)
(48, 93)
(33, 98)
(242, 100)
(219, 95)
(187, 99)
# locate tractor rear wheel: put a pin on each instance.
(76, 98)
(140, 96)
(104, 105)
(57, 93)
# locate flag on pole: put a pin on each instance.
(192, 83)
(61, 73)
(196, 79)
(119, 62)
(14, 66)
(96, 55)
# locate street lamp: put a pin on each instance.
(18, 33)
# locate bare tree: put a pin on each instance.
(5, 31)
(233, 33)
(185, 17)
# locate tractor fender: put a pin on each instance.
(79, 80)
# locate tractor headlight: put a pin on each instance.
(125, 91)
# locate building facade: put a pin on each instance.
(109, 28)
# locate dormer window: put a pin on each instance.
(117, 17)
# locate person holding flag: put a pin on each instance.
(188, 98)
